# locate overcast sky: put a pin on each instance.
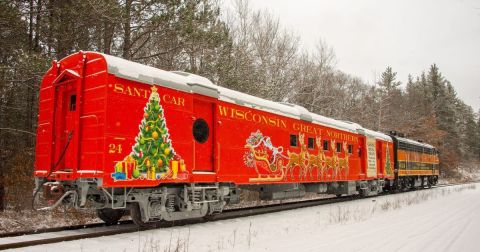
(408, 35)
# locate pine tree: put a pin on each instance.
(388, 80)
(388, 100)
(468, 132)
(436, 82)
(478, 137)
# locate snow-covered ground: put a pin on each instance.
(440, 219)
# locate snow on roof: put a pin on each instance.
(197, 84)
(377, 135)
(410, 141)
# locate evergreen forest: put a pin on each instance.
(239, 48)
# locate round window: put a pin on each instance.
(200, 130)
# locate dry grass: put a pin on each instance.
(176, 243)
(12, 221)
(346, 213)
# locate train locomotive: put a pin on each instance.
(118, 136)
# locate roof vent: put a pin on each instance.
(288, 104)
(193, 78)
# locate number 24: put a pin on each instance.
(114, 148)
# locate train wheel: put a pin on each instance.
(110, 216)
(136, 216)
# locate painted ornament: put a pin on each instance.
(167, 151)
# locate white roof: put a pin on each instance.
(410, 141)
(377, 135)
(197, 84)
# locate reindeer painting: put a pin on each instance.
(321, 159)
(316, 161)
(298, 159)
(344, 162)
(271, 165)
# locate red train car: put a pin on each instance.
(116, 135)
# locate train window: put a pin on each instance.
(200, 130)
(293, 140)
(359, 151)
(326, 144)
(73, 103)
(311, 143)
(339, 147)
(350, 149)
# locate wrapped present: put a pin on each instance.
(174, 165)
(119, 176)
(151, 173)
(119, 167)
(183, 167)
(129, 164)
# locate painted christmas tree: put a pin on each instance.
(152, 152)
(388, 165)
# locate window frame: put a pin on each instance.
(72, 103)
(350, 149)
(338, 147)
(313, 143)
(296, 140)
(326, 143)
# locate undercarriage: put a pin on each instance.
(171, 202)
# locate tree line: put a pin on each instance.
(238, 47)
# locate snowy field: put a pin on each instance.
(440, 219)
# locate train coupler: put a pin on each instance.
(55, 204)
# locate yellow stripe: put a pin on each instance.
(411, 161)
(417, 172)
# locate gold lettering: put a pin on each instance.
(239, 114)
(272, 121)
(264, 119)
(174, 100)
(137, 92)
(249, 113)
(181, 101)
(222, 110)
(128, 91)
(258, 117)
(166, 98)
(296, 127)
(118, 88)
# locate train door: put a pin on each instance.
(66, 116)
(379, 159)
(361, 150)
(203, 133)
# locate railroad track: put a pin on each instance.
(61, 234)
